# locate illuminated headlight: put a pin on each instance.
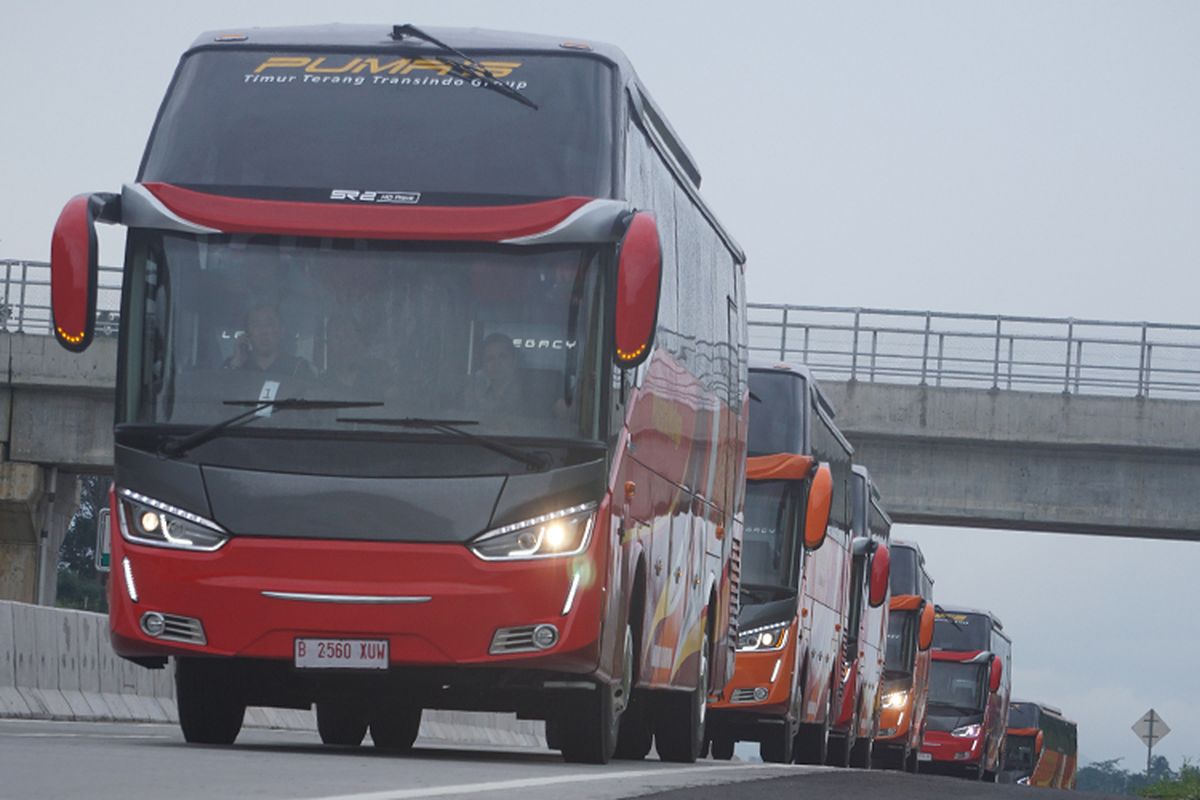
(897, 699)
(767, 637)
(563, 533)
(966, 731)
(145, 520)
(1023, 781)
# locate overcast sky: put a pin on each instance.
(1001, 157)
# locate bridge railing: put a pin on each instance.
(1075, 356)
(25, 298)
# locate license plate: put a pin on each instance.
(924, 756)
(341, 653)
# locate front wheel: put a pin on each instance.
(210, 710)
(862, 755)
(778, 747)
(812, 741)
(679, 717)
(589, 726)
(394, 728)
(722, 748)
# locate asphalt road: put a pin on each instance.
(120, 761)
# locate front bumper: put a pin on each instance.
(964, 751)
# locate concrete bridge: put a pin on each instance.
(999, 422)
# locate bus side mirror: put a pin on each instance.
(881, 569)
(820, 503)
(74, 270)
(639, 280)
(1039, 743)
(103, 540)
(997, 673)
(925, 635)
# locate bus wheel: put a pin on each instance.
(679, 717)
(839, 751)
(635, 737)
(340, 723)
(208, 713)
(588, 729)
(863, 753)
(778, 747)
(812, 741)
(395, 727)
(722, 748)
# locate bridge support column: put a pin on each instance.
(36, 506)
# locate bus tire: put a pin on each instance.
(722, 748)
(839, 751)
(778, 747)
(635, 737)
(862, 755)
(341, 724)
(591, 725)
(208, 712)
(679, 716)
(812, 740)
(394, 729)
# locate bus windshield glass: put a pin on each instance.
(378, 125)
(1022, 715)
(957, 685)
(962, 632)
(901, 643)
(769, 548)
(777, 410)
(903, 578)
(506, 339)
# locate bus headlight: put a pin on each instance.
(896, 699)
(967, 731)
(144, 520)
(766, 637)
(562, 533)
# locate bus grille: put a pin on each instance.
(742, 696)
(513, 640)
(183, 629)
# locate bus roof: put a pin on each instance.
(980, 611)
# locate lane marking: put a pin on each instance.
(529, 783)
(84, 735)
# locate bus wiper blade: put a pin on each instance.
(946, 616)
(465, 66)
(177, 447)
(453, 427)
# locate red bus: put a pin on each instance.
(866, 625)
(969, 690)
(905, 691)
(432, 390)
(1041, 747)
(787, 688)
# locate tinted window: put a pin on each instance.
(901, 641)
(1022, 715)
(776, 412)
(317, 122)
(769, 547)
(963, 632)
(904, 571)
(957, 685)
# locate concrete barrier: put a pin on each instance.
(57, 663)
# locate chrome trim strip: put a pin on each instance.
(364, 599)
(594, 221)
(141, 209)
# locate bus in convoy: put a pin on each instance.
(969, 689)
(905, 692)
(432, 390)
(866, 622)
(788, 681)
(1041, 747)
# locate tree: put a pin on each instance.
(1184, 786)
(1103, 776)
(79, 585)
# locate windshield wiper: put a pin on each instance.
(947, 617)
(177, 447)
(465, 67)
(452, 427)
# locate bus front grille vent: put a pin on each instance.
(183, 629)
(743, 696)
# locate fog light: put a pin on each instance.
(761, 693)
(961, 756)
(545, 636)
(153, 623)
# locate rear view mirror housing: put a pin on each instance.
(820, 503)
(639, 282)
(881, 569)
(997, 672)
(74, 268)
(925, 635)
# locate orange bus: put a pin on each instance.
(905, 689)
(1042, 747)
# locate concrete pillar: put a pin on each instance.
(60, 502)
(21, 495)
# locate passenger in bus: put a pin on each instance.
(497, 388)
(261, 347)
(349, 370)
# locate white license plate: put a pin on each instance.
(924, 756)
(341, 653)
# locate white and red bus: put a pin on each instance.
(431, 390)
(788, 684)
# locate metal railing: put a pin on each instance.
(25, 298)
(929, 348)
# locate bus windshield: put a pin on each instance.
(904, 571)
(249, 121)
(507, 340)
(901, 643)
(776, 412)
(1022, 715)
(957, 685)
(962, 632)
(769, 549)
